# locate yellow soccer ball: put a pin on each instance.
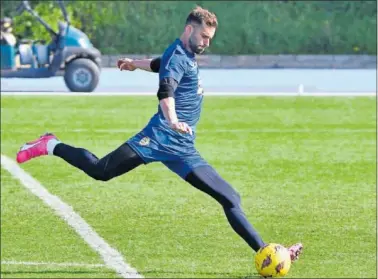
(273, 260)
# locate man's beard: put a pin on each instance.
(195, 48)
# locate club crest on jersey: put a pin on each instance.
(144, 141)
(193, 64)
(200, 90)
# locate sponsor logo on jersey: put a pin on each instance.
(144, 141)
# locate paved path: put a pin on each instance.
(288, 80)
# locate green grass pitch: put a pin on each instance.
(305, 168)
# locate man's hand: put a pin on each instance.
(181, 127)
(168, 107)
(126, 64)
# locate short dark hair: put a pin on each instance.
(202, 16)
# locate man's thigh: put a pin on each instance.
(206, 179)
(183, 165)
(117, 162)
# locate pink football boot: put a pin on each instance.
(34, 149)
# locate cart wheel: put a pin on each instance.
(82, 75)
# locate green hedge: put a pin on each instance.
(245, 27)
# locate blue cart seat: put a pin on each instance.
(7, 57)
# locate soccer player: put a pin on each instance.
(170, 134)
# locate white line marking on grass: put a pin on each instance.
(111, 257)
(53, 264)
(228, 94)
(300, 89)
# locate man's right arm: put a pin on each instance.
(169, 78)
(168, 107)
(167, 87)
(171, 72)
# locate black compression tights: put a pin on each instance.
(116, 163)
(204, 178)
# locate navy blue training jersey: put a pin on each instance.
(179, 64)
(159, 142)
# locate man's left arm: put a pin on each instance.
(150, 65)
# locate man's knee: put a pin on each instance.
(101, 176)
(227, 195)
(98, 172)
(232, 199)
